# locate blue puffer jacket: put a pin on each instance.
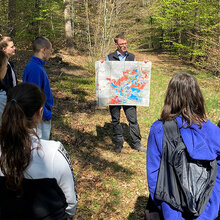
(202, 144)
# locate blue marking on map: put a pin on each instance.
(125, 92)
(134, 97)
(121, 92)
(135, 90)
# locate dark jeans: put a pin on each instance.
(152, 212)
(131, 115)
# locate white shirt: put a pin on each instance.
(51, 160)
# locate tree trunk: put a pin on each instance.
(195, 42)
(143, 2)
(86, 4)
(35, 23)
(12, 17)
(69, 23)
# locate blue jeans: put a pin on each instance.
(44, 128)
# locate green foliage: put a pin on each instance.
(33, 18)
(184, 24)
(114, 186)
(183, 27)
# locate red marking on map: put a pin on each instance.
(145, 74)
(114, 100)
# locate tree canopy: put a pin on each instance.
(189, 29)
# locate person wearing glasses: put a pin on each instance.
(121, 54)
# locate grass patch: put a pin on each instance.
(112, 186)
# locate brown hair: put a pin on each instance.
(3, 63)
(4, 41)
(39, 43)
(119, 36)
(184, 97)
(23, 102)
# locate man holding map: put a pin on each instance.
(121, 54)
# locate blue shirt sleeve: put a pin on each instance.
(154, 155)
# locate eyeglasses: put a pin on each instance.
(124, 44)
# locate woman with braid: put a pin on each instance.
(36, 176)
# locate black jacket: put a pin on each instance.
(2, 86)
(114, 57)
(40, 199)
(8, 80)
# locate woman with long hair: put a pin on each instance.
(184, 103)
(8, 47)
(37, 180)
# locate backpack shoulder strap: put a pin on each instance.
(172, 138)
(167, 188)
(171, 130)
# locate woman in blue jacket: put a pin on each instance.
(185, 103)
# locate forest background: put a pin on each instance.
(176, 35)
(189, 29)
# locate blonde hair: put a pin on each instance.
(3, 62)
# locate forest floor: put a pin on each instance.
(109, 185)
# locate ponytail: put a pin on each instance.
(15, 145)
(23, 102)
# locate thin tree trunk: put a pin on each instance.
(12, 17)
(69, 22)
(98, 31)
(35, 24)
(143, 2)
(195, 42)
(88, 28)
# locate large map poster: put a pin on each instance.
(123, 83)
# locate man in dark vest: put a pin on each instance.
(121, 54)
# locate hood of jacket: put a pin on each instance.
(201, 143)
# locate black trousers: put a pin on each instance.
(131, 115)
(152, 212)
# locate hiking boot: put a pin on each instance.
(141, 149)
(118, 148)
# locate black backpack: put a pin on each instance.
(42, 199)
(184, 183)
